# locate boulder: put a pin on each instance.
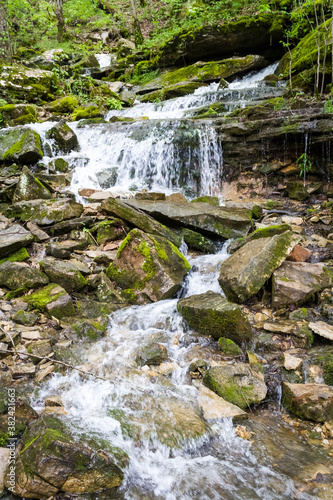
(63, 249)
(138, 219)
(105, 291)
(14, 275)
(202, 217)
(214, 407)
(309, 401)
(322, 329)
(56, 462)
(30, 188)
(20, 145)
(263, 232)
(244, 273)
(212, 314)
(18, 114)
(52, 299)
(63, 273)
(63, 138)
(241, 384)
(14, 238)
(297, 282)
(30, 85)
(148, 267)
(152, 354)
(64, 105)
(45, 212)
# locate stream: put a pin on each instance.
(153, 414)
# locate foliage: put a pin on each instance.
(328, 108)
(113, 103)
(304, 164)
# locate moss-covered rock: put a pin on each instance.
(152, 354)
(18, 114)
(63, 273)
(212, 200)
(229, 347)
(59, 164)
(309, 401)
(64, 105)
(197, 241)
(110, 230)
(19, 256)
(244, 273)
(264, 232)
(48, 460)
(20, 145)
(63, 138)
(30, 187)
(25, 318)
(212, 314)
(47, 213)
(88, 113)
(53, 299)
(14, 275)
(19, 83)
(148, 268)
(13, 239)
(240, 384)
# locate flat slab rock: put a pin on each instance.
(14, 238)
(203, 217)
(45, 212)
(244, 273)
(214, 407)
(323, 329)
(296, 282)
(309, 401)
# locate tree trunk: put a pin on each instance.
(5, 46)
(60, 19)
(138, 38)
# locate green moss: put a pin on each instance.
(212, 200)
(19, 256)
(89, 112)
(65, 105)
(326, 362)
(4, 438)
(40, 299)
(231, 392)
(229, 347)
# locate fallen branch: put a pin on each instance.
(62, 363)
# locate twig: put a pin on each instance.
(2, 351)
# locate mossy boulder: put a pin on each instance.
(46, 212)
(63, 273)
(30, 187)
(18, 256)
(49, 460)
(309, 401)
(19, 83)
(25, 318)
(59, 164)
(212, 200)
(212, 314)
(18, 275)
(172, 91)
(148, 268)
(13, 239)
(264, 232)
(197, 241)
(24, 414)
(204, 218)
(241, 384)
(18, 114)
(105, 291)
(110, 230)
(229, 347)
(152, 354)
(51, 299)
(244, 273)
(20, 145)
(63, 138)
(138, 219)
(297, 282)
(88, 112)
(64, 105)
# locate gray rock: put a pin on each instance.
(45, 212)
(20, 145)
(14, 238)
(244, 273)
(30, 188)
(64, 138)
(64, 274)
(309, 401)
(15, 275)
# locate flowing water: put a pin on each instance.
(153, 414)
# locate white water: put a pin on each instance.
(218, 465)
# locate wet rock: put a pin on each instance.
(105, 291)
(197, 241)
(214, 407)
(20, 145)
(139, 219)
(299, 331)
(309, 401)
(244, 273)
(240, 384)
(264, 232)
(18, 114)
(64, 274)
(296, 282)
(320, 328)
(111, 230)
(63, 249)
(152, 354)
(202, 217)
(212, 314)
(30, 188)
(56, 462)
(25, 318)
(148, 268)
(64, 139)
(45, 212)
(13, 239)
(53, 299)
(15, 275)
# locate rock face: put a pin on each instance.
(309, 401)
(212, 314)
(241, 384)
(14, 238)
(296, 282)
(139, 219)
(21, 145)
(48, 460)
(30, 188)
(45, 212)
(244, 273)
(14, 275)
(203, 217)
(63, 273)
(63, 137)
(148, 268)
